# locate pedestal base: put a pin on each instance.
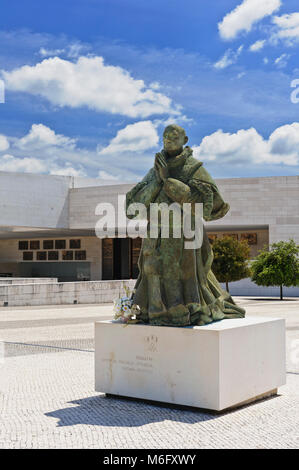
(219, 366)
(263, 396)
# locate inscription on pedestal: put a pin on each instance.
(139, 364)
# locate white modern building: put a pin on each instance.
(47, 224)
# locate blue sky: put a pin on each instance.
(90, 85)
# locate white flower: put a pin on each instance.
(122, 307)
(127, 314)
(117, 307)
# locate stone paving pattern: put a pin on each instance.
(47, 397)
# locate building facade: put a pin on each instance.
(47, 224)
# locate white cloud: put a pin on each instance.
(121, 162)
(266, 60)
(35, 165)
(104, 175)
(43, 151)
(282, 61)
(24, 165)
(76, 49)
(4, 144)
(41, 136)
(285, 140)
(68, 170)
(50, 52)
(230, 57)
(155, 86)
(257, 46)
(89, 82)
(248, 146)
(73, 51)
(287, 28)
(245, 15)
(231, 147)
(133, 138)
(173, 120)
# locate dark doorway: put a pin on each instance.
(120, 258)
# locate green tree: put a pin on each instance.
(278, 266)
(231, 258)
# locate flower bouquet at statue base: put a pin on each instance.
(124, 310)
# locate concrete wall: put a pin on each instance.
(269, 202)
(28, 200)
(255, 202)
(262, 238)
(92, 292)
(44, 201)
(247, 287)
(83, 203)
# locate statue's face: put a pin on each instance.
(173, 140)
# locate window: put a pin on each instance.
(23, 245)
(41, 255)
(67, 255)
(60, 245)
(250, 237)
(80, 255)
(212, 237)
(231, 235)
(34, 245)
(28, 255)
(53, 255)
(48, 244)
(75, 244)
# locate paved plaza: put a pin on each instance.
(47, 397)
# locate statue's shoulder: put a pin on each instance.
(192, 162)
(200, 174)
(150, 175)
(191, 166)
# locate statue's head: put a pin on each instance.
(174, 138)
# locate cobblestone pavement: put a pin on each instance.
(47, 397)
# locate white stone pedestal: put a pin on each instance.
(217, 366)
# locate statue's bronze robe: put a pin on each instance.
(176, 286)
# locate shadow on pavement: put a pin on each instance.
(105, 411)
(101, 410)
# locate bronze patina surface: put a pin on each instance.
(176, 286)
